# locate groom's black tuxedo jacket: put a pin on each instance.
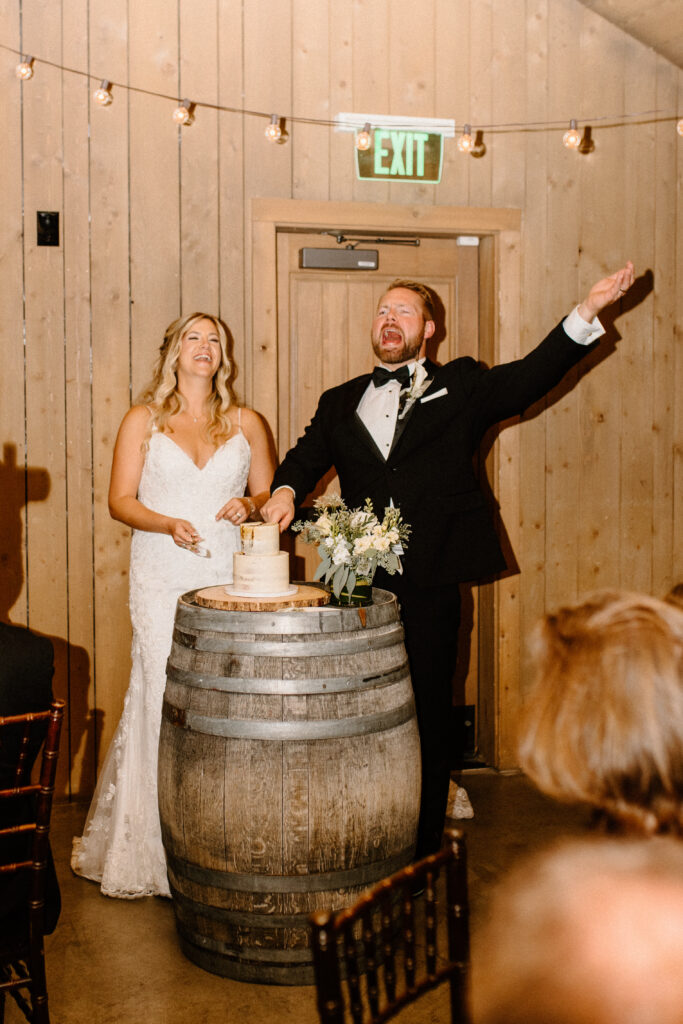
(429, 473)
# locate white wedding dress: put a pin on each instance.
(121, 843)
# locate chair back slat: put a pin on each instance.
(21, 737)
(366, 946)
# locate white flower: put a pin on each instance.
(324, 525)
(417, 387)
(361, 544)
(341, 554)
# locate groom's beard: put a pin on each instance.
(403, 353)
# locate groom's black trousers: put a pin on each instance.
(431, 617)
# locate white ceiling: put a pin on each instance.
(657, 23)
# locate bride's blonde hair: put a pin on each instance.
(161, 395)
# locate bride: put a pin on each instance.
(189, 466)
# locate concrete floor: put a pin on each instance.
(119, 961)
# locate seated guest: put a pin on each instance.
(603, 723)
(590, 932)
(26, 670)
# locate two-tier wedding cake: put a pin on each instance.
(260, 569)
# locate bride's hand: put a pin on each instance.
(183, 533)
(237, 510)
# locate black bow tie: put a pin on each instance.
(382, 376)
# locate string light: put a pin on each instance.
(571, 138)
(103, 95)
(466, 142)
(479, 147)
(184, 113)
(274, 132)
(364, 138)
(24, 69)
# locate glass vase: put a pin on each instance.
(360, 595)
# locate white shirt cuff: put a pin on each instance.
(284, 487)
(580, 331)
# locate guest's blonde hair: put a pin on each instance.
(161, 395)
(589, 931)
(603, 723)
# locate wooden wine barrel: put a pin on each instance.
(289, 776)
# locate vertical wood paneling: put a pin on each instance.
(508, 77)
(13, 595)
(411, 78)
(562, 210)
(600, 399)
(232, 212)
(199, 220)
(154, 159)
(44, 278)
(155, 220)
(46, 511)
(267, 87)
(481, 95)
(80, 739)
(340, 50)
(452, 93)
(310, 99)
(636, 350)
(677, 546)
(111, 361)
(666, 396)
(536, 319)
(371, 57)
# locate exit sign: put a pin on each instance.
(399, 155)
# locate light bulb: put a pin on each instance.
(103, 95)
(466, 142)
(478, 149)
(184, 113)
(571, 138)
(24, 69)
(274, 132)
(364, 138)
(679, 127)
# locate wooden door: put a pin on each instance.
(324, 319)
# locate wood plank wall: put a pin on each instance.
(154, 220)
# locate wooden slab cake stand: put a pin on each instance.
(305, 596)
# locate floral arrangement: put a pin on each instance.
(414, 390)
(352, 543)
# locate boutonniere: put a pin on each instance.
(407, 397)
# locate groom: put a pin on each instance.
(407, 434)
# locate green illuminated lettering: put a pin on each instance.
(397, 140)
(380, 152)
(420, 140)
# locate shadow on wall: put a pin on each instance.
(20, 484)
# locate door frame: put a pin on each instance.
(499, 232)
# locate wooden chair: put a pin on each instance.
(25, 810)
(373, 947)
